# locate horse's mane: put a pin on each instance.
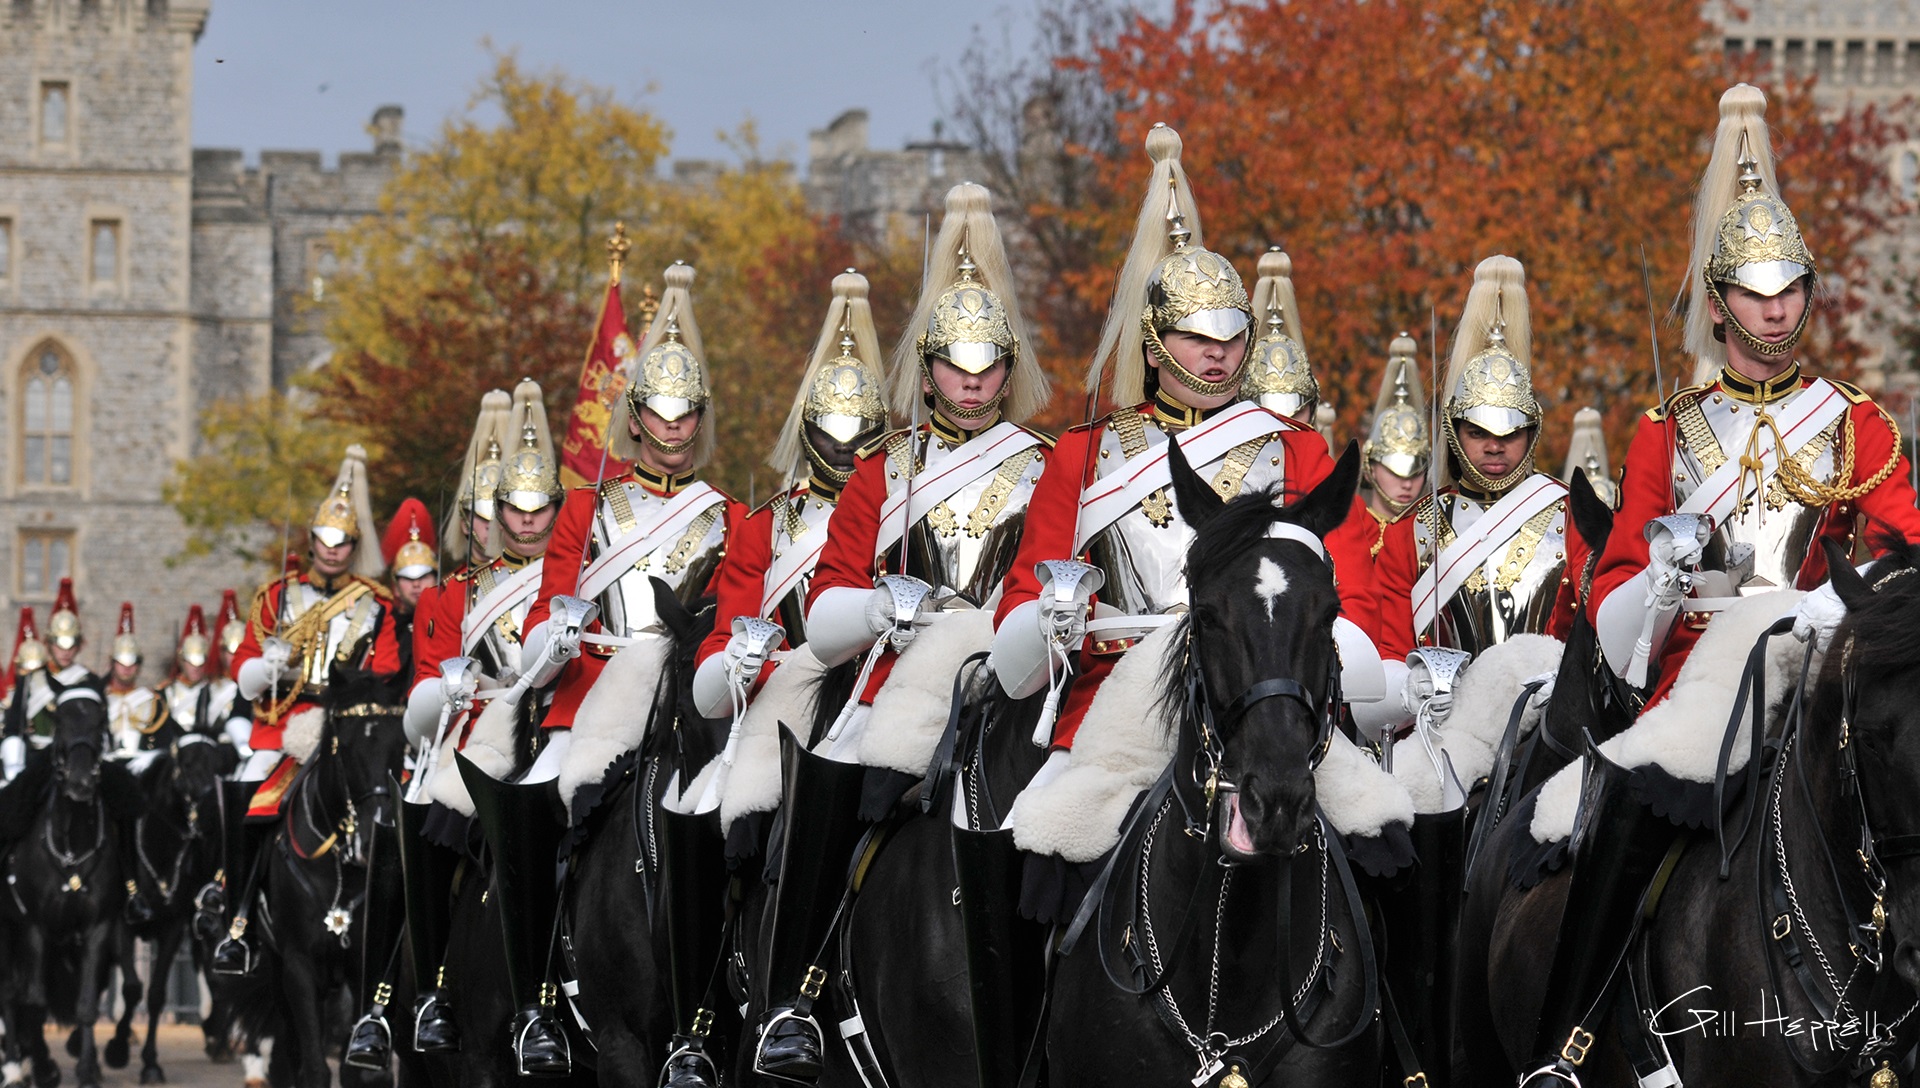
(1885, 628)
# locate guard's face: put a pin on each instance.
(1493, 455)
(1396, 489)
(191, 674)
(1770, 318)
(479, 528)
(528, 530)
(838, 455)
(667, 432)
(123, 675)
(407, 591)
(963, 389)
(63, 656)
(331, 560)
(1205, 358)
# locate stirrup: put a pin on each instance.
(689, 1050)
(427, 1008)
(1562, 1068)
(235, 938)
(211, 898)
(520, 1041)
(362, 1060)
(1552, 1073)
(778, 1018)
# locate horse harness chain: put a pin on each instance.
(1781, 900)
(1215, 1045)
(68, 860)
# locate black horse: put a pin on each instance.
(178, 849)
(1244, 933)
(1793, 960)
(618, 936)
(317, 877)
(67, 880)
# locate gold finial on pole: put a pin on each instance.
(617, 247)
(649, 305)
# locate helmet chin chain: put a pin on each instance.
(654, 440)
(1170, 365)
(1473, 477)
(956, 413)
(821, 468)
(1746, 337)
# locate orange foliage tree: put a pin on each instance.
(1389, 146)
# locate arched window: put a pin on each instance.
(1906, 174)
(46, 420)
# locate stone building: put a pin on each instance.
(140, 279)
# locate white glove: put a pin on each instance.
(563, 644)
(277, 653)
(1674, 547)
(460, 690)
(744, 657)
(239, 731)
(896, 610)
(13, 756)
(1064, 622)
(1818, 616)
(1544, 694)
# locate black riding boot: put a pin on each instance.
(370, 1043)
(1417, 964)
(693, 890)
(1006, 954)
(428, 871)
(523, 826)
(1616, 850)
(210, 903)
(234, 954)
(820, 813)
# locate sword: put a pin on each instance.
(456, 674)
(1653, 340)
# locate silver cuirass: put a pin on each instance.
(967, 542)
(685, 562)
(799, 521)
(1763, 542)
(1513, 592)
(1144, 553)
(203, 707)
(498, 649)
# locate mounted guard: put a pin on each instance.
(607, 547)
(922, 534)
(301, 628)
(1729, 488)
(1278, 375)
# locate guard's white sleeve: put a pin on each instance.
(1619, 619)
(256, 676)
(1375, 717)
(1019, 654)
(710, 687)
(837, 627)
(423, 710)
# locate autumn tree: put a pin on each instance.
(1389, 146)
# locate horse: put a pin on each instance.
(318, 878)
(178, 847)
(616, 936)
(1789, 955)
(68, 880)
(1242, 919)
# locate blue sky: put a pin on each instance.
(307, 75)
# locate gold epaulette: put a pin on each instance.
(1853, 393)
(1659, 412)
(464, 574)
(880, 443)
(260, 599)
(798, 490)
(1046, 439)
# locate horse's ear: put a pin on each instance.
(1196, 501)
(1847, 582)
(671, 612)
(1323, 509)
(1591, 514)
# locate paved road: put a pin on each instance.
(186, 1065)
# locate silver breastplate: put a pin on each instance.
(344, 641)
(799, 521)
(685, 563)
(184, 704)
(967, 542)
(498, 649)
(1513, 592)
(130, 711)
(1144, 553)
(1765, 539)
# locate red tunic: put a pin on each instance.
(382, 659)
(741, 578)
(567, 557)
(1051, 523)
(1400, 572)
(1646, 493)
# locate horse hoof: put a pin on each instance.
(46, 1074)
(115, 1052)
(153, 1074)
(219, 1051)
(73, 1043)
